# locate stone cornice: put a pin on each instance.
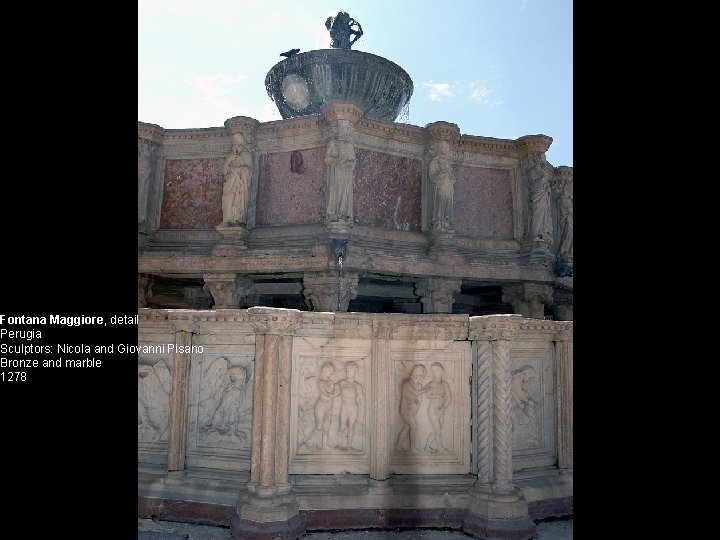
(533, 143)
(419, 327)
(442, 131)
(177, 135)
(274, 321)
(564, 172)
(494, 327)
(564, 331)
(180, 317)
(243, 124)
(308, 132)
(150, 132)
(285, 261)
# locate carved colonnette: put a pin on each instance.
(382, 396)
(270, 506)
(495, 502)
(564, 386)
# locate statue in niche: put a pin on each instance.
(523, 402)
(353, 403)
(237, 170)
(540, 228)
(145, 168)
(340, 161)
(439, 396)
(344, 30)
(565, 221)
(227, 399)
(442, 179)
(411, 390)
(328, 390)
(154, 381)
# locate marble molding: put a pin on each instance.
(291, 188)
(375, 401)
(192, 194)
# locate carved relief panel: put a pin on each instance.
(330, 406)
(430, 402)
(533, 417)
(154, 384)
(220, 401)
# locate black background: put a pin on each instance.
(69, 247)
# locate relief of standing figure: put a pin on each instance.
(565, 221)
(412, 389)
(226, 417)
(438, 392)
(523, 401)
(442, 179)
(329, 390)
(237, 170)
(340, 161)
(539, 190)
(353, 399)
(145, 168)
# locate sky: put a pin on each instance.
(496, 68)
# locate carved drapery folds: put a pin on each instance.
(238, 172)
(437, 294)
(439, 191)
(330, 292)
(146, 165)
(528, 299)
(537, 174)
(340, 160)
(564, 187)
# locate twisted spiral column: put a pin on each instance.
(502, 412)
(484, 436)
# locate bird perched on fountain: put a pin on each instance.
(289, 53)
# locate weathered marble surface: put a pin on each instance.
(192, 194)
(483, 202)
(288, 197)
(387, 191)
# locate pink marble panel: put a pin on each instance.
(387, 191)
(291, 188)
(192, 194)
(482, 203)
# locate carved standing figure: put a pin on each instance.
(565, 221)
(237, 170)
(328, 390)
(442, 179)
(438, 392)
(145, 168)
(341, 28)
(340, 161)
(539, 192)
(226, 417)
(154, 382)
(412, 389)
(522, 399)
(353, 399)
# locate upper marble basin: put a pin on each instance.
(302, 84)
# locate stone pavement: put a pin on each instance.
(148, 529)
